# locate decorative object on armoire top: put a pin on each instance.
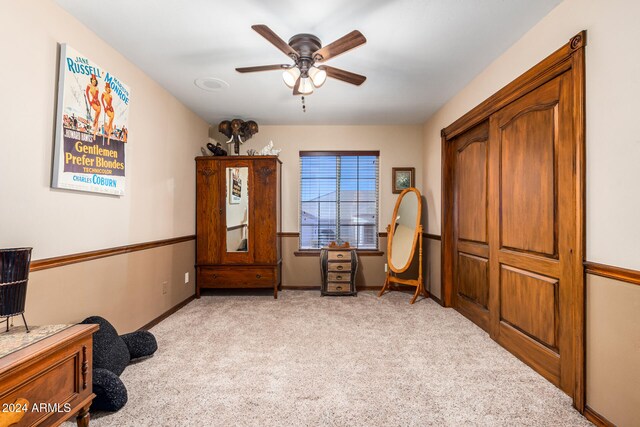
(338, 268)
(14, 275)
(204, 152)
(217, 149)
(268, 150)
(238, 131)
(402, 178)
(305, 50)
(252, 152)
(403, 238)
(111, 355)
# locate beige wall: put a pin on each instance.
(125, 289)
(304, 271)
(432, 267)
(612, 93)
(613, 152)
(613, 350)
(164, 137)
(398, 146)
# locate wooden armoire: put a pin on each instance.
(238, 220)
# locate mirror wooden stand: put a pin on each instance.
(403, 239)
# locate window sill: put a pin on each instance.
(360, 252)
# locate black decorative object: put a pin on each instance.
(14, 275)
(111, 355)
(217, 149)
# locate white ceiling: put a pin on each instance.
(418, 54)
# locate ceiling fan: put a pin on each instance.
(306, 50)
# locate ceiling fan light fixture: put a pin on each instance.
(304, 50)
(306, 86)
(290, 76)
(318, 76)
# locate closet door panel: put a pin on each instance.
(529, 303)
(472, 191)
(528, 179)
(473, 279)
(530, 269)
(471, 264)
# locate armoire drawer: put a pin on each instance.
(236, 277)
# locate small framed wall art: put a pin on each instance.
(403, 178)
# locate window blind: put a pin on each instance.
(339, 198)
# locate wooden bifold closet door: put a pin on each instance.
(513, 235)
(471, 230)
(531, 231)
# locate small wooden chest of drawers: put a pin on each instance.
(338, 267)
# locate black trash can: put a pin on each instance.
(14, 275)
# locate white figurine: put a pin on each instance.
(268, 150)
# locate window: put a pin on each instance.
(339, 198)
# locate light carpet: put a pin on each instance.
(306, 360)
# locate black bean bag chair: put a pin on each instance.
(111, 354)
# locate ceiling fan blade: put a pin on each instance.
(274, 39)
(345, 76)
(296, 87)
(343, 44)
(262, 68)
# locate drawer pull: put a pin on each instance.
(340, 255)
(339, 267)
(338, 277)
(258, 276)
(215, 276)
(339, 288)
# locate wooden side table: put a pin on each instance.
(50, 378)
(339, 267)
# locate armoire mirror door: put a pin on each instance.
(237, 215)
(237, 218)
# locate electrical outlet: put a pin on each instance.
(385, 267)
(165, 285)
(186, 277)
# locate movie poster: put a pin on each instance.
(92, 126)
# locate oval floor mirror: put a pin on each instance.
(404, 236)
